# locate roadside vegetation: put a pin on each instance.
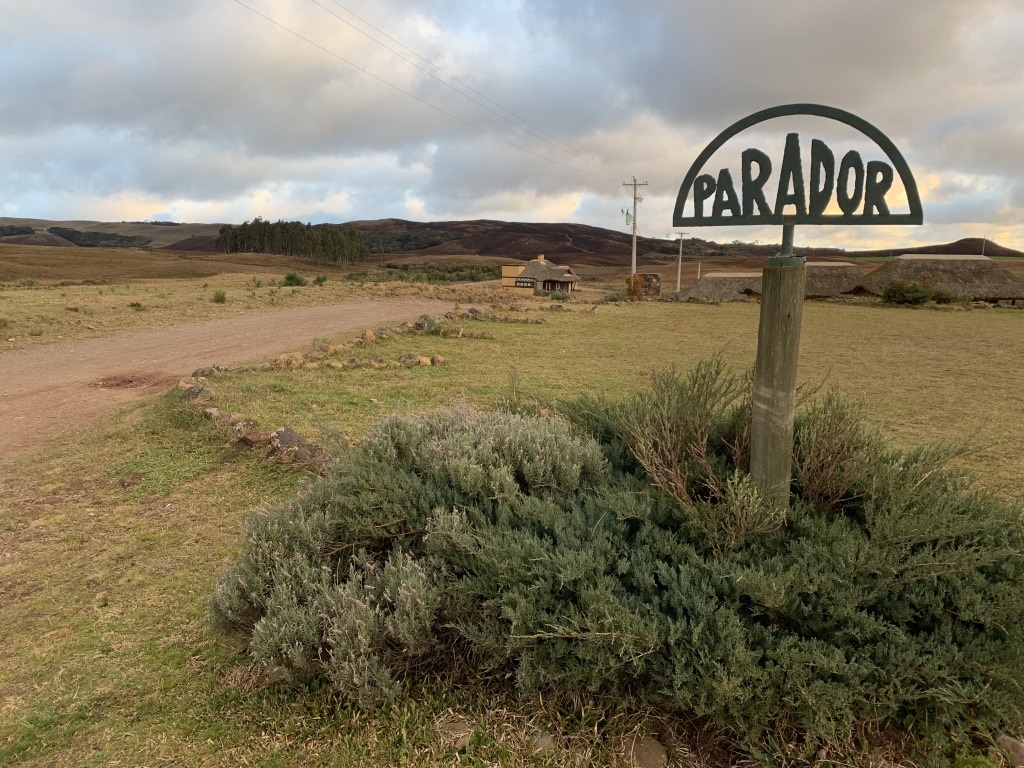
(108, 658)
(428, 272)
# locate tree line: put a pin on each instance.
(325, 243)
(7, 230)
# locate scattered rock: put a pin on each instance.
(311, 366)
(196, 393)
(437, 360)
(455, 732)
(646, 752)
(214, 414)
(335, 364)
(287, 445)
(425, 361)
(130, 479)
(213, 370)
(286, 438)
(293, 360)
(235, 419)
(453, 332)
(410, 359)
(378, 362)
(368, 337)
(425, 322)
(258, 438)
(556, 307)
(473, 311)
(102, 599)
(353, 362)
(1013, 749)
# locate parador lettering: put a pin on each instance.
(859, 189)
(869, 184)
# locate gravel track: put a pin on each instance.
(51, 392)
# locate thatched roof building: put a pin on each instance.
(538, 275)
(824, 278)
(978, 276)
(831, 278)
(723, 286)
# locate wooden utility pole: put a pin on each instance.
(778, 347)
(679, 266)
(634, 184)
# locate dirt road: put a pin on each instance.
(55, 390)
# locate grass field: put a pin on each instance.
(110, 544)
(154, 290)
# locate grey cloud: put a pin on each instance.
(209, 102)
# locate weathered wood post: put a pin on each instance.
(778, 347)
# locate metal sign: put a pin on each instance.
(857, 188)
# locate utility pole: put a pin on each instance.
(679, 266)
(634, 184)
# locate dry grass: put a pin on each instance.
(33, 315)
(109, 546)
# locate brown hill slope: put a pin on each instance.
(967, 246)
(576, 244)
(160, 234)
(38, 238)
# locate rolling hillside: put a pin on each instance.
(566, 243)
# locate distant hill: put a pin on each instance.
(968, 246)
(577, 244)
(159, 234)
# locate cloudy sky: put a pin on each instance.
(529, 110)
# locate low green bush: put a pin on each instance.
(622, 550)
(319, 279)
(219, 297)
(898, 292)
(293, 280)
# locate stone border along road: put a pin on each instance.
(53, 391)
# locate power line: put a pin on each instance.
(417, 98)
(515, 120)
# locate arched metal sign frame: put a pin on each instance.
(915, 216)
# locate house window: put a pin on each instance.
(524, 282)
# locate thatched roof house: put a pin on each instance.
(825, 278)
(723, 286)
(538, 275)
(832, 278)
(978, 276)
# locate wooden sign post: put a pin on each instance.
(857, 189)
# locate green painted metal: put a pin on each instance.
(871, 181)
(785, 257)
